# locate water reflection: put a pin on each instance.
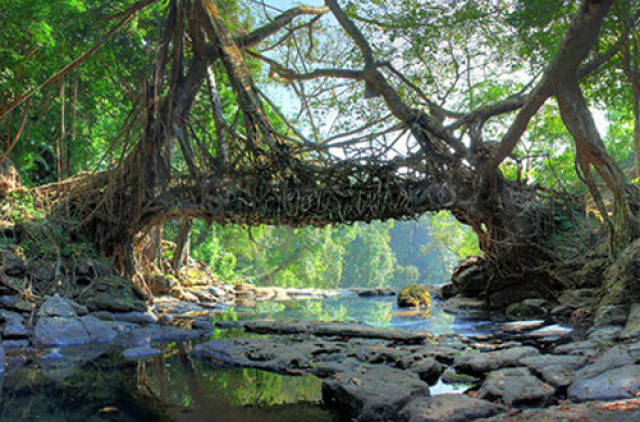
(380, 311)
(171, 387)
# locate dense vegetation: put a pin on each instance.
(165, 118)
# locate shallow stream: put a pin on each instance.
(91, 384)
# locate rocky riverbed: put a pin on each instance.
(523, 371)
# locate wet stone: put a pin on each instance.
(516, 387)
(556, 370)
(478, 363)
(450, 376)
(429, 370)
(449, 408)
(374, 394)
(618, 383)
(612, 358)
(50, 331)
(57, 306)
(13, 326)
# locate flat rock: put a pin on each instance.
(450, 376)
(103, 331)
(374, 394)
(330, 329)
(519, 326)
(59, 331)
(618, 383)
(556, 370)
(515, 387)
(448, 408)
(587, 347)
(57, 306)
(604, 334)
(13, 326)
(140, 353)
(15, 303)
(479, 363)
(618, 411)
(612, 358)
(133, 316)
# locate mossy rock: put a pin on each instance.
(115, 294)
(622, 278)
(414, 295)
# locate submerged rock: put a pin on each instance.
(516, 387)
(375, 394)
(449, 408)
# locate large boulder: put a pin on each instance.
(632, 325)
(449, 408)
(516, 387)
(618, 383)
(374, 394)
(115, 294)
(622, 278)
(62, 307)
(471, 277)
(528, 309)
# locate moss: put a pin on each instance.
(414, 295)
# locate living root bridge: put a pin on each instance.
(249, 198)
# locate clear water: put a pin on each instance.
(91, 384)
(379, 311)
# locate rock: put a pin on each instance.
(59, 331)
(618, 383)
(606, 334)
(12, 264)
(161, 284)
(561, 313)
(621, 284)
(632, 326)
(479, 363)
(375, 394)
(415, 295)
(556, 370)
(448, 408)
(611, 315)
(1, 360)
(429, 370)
(379, 291)
(577, 298)
(515, 387)
(15, 344)
(470, 278)
(528, 309)
(15, 303)
(503, 297)
(450, 376)
(151, 334)
(444, 291)
(342, 329)
(103, 331)
(619, 411)
(587, 347)
(612, 358)
(115, 294)
(217, 292)
(57, 306)
(13, 326)
(327, 369)
(133, 316)
(140, 353)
